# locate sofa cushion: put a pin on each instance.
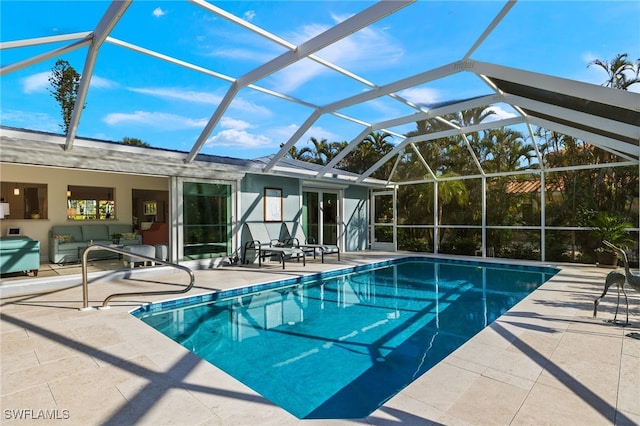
(95, 232)
(64, 238)
(128, 236)
(120, 229)
(74, 230)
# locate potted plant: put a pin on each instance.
(612, 228)
(115, 237)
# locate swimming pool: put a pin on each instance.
(340, 344)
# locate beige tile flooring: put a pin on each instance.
(545, 362)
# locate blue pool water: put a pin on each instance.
(340, 345)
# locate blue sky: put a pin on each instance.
(135, 95)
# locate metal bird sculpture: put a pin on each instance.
(616, 277)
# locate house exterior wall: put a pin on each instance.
(252, 203)
(57, 181)
(354, 209)
(250, 199)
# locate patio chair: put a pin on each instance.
(265, 246)
(308, 245)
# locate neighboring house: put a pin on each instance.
(530, 205)
(205, 202)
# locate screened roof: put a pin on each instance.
(265, 86)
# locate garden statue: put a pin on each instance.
(616, 277)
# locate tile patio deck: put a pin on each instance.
(545, 362)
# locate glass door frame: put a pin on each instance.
(176, 216)
(378, 245)
(339, 194)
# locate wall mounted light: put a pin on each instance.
(68, 194)
(16, 191)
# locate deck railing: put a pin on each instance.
(97, 246)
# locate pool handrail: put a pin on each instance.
(98, 246)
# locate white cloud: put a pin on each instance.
(500, 114)
(236, 134)
(30, 120)
(159, 120)
(319, 133)
(183, 95)
(102, 83)
(35, 82)
(284, 133)
(202, 97)
(353, 53)
(249, 15)
(241, 104)
(158, 12)
(257, 55)
(588, 57)
(40, 82)
(239, 139)
(296, 75)
(232, 123)
(420, 95)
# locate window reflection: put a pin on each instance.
(90, 203)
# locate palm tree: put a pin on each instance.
(473, 116)
(371, 149)
(378, 142)
(505, 150)
(334, 148)
(296, 154)
(618, 71)
(450, 192)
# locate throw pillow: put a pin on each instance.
(64, 238)
(128, 236)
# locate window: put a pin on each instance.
(26, 200)
(90, 203)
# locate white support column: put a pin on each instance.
(108, 22)
(484, 215)
(175, 219)
(395, 217)
(436, 231)
(543, 215)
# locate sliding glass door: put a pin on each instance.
(207, 220)
(383, 236)
(321, 216)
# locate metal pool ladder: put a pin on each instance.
(97, 246)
